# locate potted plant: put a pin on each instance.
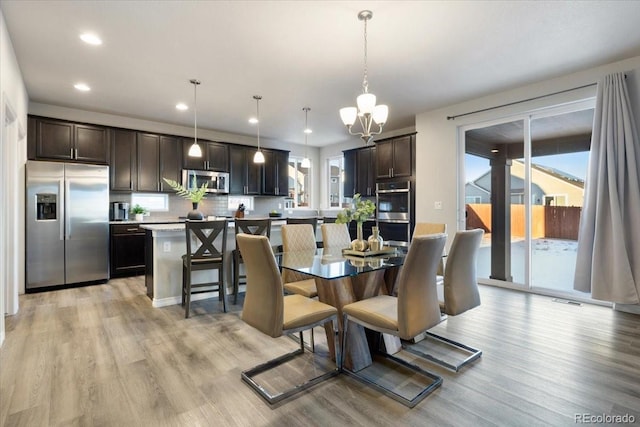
(139, 212)
(194, 194)
(361, 211)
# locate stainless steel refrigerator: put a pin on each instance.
(67, 224)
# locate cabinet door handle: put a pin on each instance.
(132, 229)
(391, 172)
(71, 155)
(76, 150)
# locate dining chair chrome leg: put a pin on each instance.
(248, 375)
(299, 338)
(474, 353)
(435, 380)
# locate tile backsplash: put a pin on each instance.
(217, 205)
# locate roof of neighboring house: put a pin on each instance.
(556, 173)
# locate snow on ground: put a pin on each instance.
(553, 262)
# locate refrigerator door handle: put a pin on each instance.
(67, 220)
(61, 207)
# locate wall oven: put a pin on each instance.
(217, 182)
(393, 210)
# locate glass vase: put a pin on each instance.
(375, 240)
(359, 244)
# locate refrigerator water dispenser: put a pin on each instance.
(46, 207)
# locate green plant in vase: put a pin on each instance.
(360, 211)
(194, 194)
(139, 212)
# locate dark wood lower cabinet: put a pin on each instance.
(127, 250)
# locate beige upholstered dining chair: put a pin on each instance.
(335, 236)
(413, 311)
(206, 248)
(298, 237)
(266, 309)
(423, 228)
(258, 227)
(458, 292)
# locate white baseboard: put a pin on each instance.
(627, 308)
(164, 302)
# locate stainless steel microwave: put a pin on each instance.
(217, 182)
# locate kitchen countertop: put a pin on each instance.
(150, 221)
(274, 220)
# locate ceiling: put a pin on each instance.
(422, 55)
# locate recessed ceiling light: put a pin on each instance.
(181, 106)
(90, 38)
(253, 120)
(307, 130)
(495, 150)
(81, 86)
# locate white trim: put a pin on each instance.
(527, 116)
(165, 302)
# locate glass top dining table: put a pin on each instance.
(331, 264)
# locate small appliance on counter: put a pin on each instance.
(119, 211)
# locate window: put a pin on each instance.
(299, 183)
(335, 172)
(151, 202)
(555, 200)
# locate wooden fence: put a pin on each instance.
(554, 222)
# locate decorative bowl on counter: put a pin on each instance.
(275, 214)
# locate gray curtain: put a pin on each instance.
(608, 258)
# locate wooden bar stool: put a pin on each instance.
(206, 245)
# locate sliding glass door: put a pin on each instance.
(524, 185)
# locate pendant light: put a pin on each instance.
(366, 111)
(258, 157)
(306, 163)
(195, 150)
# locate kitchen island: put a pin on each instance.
(165, 245)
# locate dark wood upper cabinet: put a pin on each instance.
(215, 156)
(123, 167)
(54, 140)
(148, 161)
(170, 161)
(245, 176)
(365, 171)
(276, 173)
(61, 140)
(394, 157)
(91, 144)
(350, 165)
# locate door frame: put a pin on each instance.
(526, 116)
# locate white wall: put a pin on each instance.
(437, 138)
(13, 121)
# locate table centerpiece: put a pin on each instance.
(360, 211)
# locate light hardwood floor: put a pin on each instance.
(102, 356)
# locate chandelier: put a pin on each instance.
(195, 150)
(306, 163)
(367, 111)
(258, 157)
